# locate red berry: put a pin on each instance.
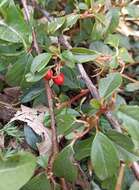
(48, 75)
(59, 79)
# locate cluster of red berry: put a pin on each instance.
(58, 79)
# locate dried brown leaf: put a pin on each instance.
(126, 30)
(34, 119)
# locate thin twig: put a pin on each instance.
(63, 184)
(55, 146)
(120, 177)
(53, 123)
(131, 64)
(35, 43)
(89, 84)
(74, 99)
(129, 78)
(113, 121)
(27, 15)
(77, 97)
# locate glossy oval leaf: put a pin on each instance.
(55, 24)
(16, 74)
(135, 185)
(64, 165)
(16, 171)
(104, 157)
(71, 20)
(39, 182)
(109, 84)
(112, 20)
(9, 35)
(124, 146)
(121, 139)
(131, 87)
(129, 115)
(40, 61)
(83, 148)
(83, 55)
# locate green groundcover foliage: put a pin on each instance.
(69, 95)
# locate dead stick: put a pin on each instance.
(53, 123)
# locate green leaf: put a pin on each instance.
(71, 78)
(135, 185)
(16, 171)
(126, 155)
(112, 20)
(88, 2)
(10, 50)
(124, 41)
(104, 123)
(95, 103)
(40, 62)
(8, 34)
(128, 178)
(16, 74)
(119, 101)
(55, 24)
(83, 55)
(99, 46)
(133, 10)
(3, 2)
(98, 28)
(109, 183)
(83, 148)
(39, 182)
(64, 165)
(109, 84)
(114, 62)
(104, 157)
(14, 22)
(65, 123)
(121, 139)
(2, 67)
(83, 6)
(112, 40)
(94, 186)
(69, 58)
(32, 93)
(125, 56)
(71, 20)
(130, 118)
(30, 77)
(124, 146)
(131, 87)
(42, 161)
(65, 120)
